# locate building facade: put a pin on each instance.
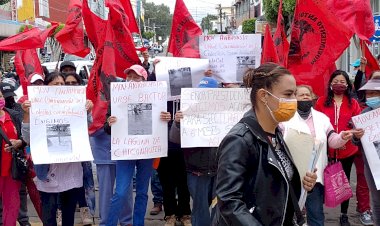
(246, 9)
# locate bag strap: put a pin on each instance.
(5, 137)
(253, 124)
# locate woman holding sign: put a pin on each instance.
(257, 182)
(340, 107)
(126, 168)
(317, 124)
(55, 181)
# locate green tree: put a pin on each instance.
(148, 34)
(249, 26)
(271, 10)
(206, 22)
(160, 16)
(22, 28)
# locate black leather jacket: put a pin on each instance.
(250, 187)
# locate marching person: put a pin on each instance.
(126, 168)
(257, 182)
(318, 125)
(340, 107)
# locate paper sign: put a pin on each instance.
(180, 73)
(58, 124)
(231, 55)
(370, 122)
(209, 114)
(139, 133)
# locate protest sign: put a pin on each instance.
(231, 55)
(209, 114)
(58, 124)
(138, 133)
(370, 122)
(180, 73)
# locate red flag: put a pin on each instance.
(71, 36)
(372, 63)
(48, 32)
(185, 32)
(116, 54)
(269, 51)
(95, 26)
(132, 24)
(315, 44)
(25, 40)
(355, 14)
(279, 37)
(27, 63)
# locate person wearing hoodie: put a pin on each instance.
(201, 167)
(317, 124)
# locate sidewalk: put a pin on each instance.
(331, 215)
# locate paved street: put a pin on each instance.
(332, 215)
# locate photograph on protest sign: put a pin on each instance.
(140, 119)
(179, 78)
(210, 113)
(54, 112)
(138, 133)
(370, 122)
(231, 55)
(58, 138)
(180, 73)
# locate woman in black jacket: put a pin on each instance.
(256, 176)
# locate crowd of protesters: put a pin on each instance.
(250, 179)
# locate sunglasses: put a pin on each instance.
(71, 83)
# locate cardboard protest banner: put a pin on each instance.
(139, 133)
(209, 114)
(180, 73)
(231, 55)
(58, 124)
(370, 122)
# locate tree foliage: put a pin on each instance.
(271, 9)
(206, 22)
(148, 34)
(249, 26)
(160, 16)
(22, 28)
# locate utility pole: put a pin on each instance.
(220, 18)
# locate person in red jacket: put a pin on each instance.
(340, 107)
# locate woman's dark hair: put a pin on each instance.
(76, 76)
(51, 76)
(45, 70)
(330, 93)
(376, 77)
(263, 77)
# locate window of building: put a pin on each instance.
(43, 6)
(375, 6)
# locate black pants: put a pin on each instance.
(347, 165)
(68, 201)
(173, 178)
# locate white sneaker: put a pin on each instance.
(59, 217)
(85, 216)
(170, 220)
(366, 218)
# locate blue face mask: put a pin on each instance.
(373, 102)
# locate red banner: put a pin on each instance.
(269, 53)
(133, 27)
(318, 40)
(95, 26)
(279, 37)
(185, 32)
(372, 63)
(71, 36)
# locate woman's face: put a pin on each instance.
(339, 80)
(284, 88)
(71, 81)
(58, 81)
(134, 77)
(303, 94)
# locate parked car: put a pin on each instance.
(83, 68)
(157, 49)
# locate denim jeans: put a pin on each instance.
(124, 175)
(155, 186)
(202, 191)
(314, 206)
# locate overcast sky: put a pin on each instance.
(197, 8)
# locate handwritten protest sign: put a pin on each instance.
(58, 124)
(209, 114)
(180, 73)
(370, 122)
(139, 133)
(231, 55)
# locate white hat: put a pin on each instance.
(36, 77)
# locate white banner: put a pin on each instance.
(370, 122)
(58, 124)
(231, 55)
(209, 114)
(180, 73)
(138, 133)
